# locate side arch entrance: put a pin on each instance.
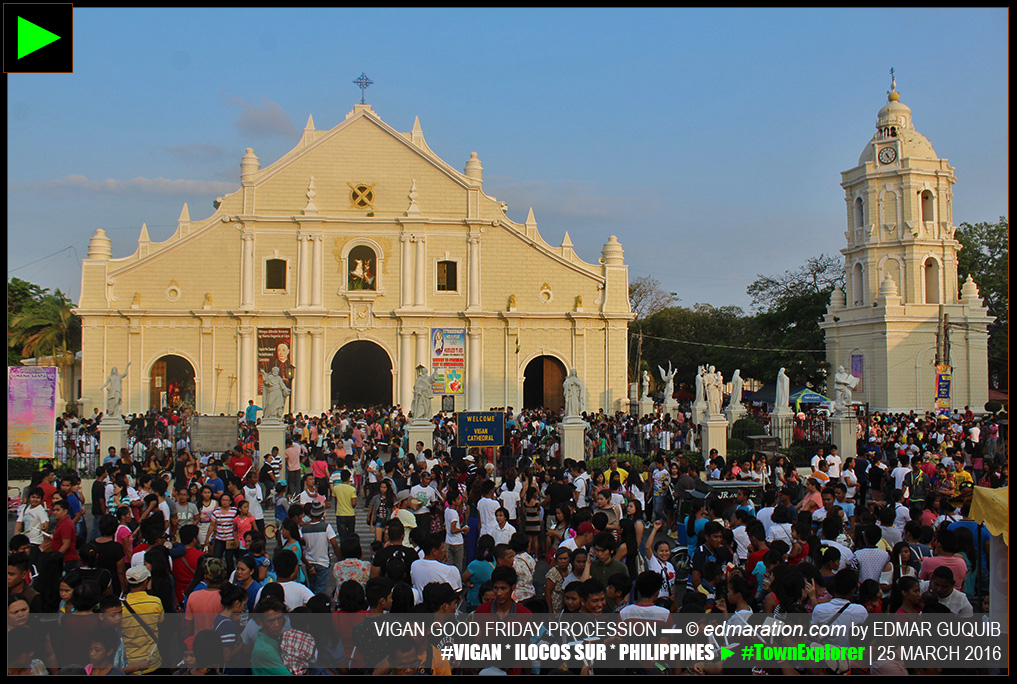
(171, 383)
(361, 375)
(543, 385)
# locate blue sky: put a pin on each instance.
(709, 141)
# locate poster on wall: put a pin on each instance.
(31, 411)
(944, 377)
(858, 370)
(448, 359)
(275, 350)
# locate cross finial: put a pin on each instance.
(364, 83)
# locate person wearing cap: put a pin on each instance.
(204, 605)
(584, 537)
(317, 536)
(142, 616)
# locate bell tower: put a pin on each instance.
(902, 310)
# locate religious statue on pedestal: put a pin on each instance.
(573, 395)
(115, 398)
(275, 393)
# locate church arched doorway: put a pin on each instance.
(361, 375)
(172, 383)
(543, 384)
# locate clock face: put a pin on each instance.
(887, 155)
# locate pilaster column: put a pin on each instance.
(423, 358)
(246, 379)
(317, 402)
(473, 288)
(405, 272)
(419, 294)
(302, 360)
(405, 370)
(474, 372)
(247, 268)
(304, 281)
(317, 272)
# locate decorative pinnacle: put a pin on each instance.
(363, 83)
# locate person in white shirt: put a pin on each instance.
(486, 509)
(840, 610)
(430, 568)
(834, 462)
(502, 532)
(942, 585)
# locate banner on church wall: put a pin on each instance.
(31, 411)
(944, 378)
(448, 359)
(858, 370)
(275, 349)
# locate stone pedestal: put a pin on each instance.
(698, 412)
(645, 406)
(573, 439)
(271, 433)
(671, 406)
(782, 425)
(844, 436)
(419, 431)
(714, 436)
(734, 412)
(112, 433)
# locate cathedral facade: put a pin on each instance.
(902, 311)
(354, 262)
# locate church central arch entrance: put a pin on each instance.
(543, 384)
(361, 375)
(172, 383)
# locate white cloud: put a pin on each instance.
(264, 120)
(153, 186)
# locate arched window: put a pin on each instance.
(447, 276)
(362, 269)
(275, 274)
(857, 285)
(931, 281)
(859, 213)
(926, 206)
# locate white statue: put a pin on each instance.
(736, 387)
(275, 393)
(668, 379)
(783, 398)
(646, 384)
(115, 398)
(573, 394)
(422, 393)
(700, 391)
(713, 382)
(844, 384)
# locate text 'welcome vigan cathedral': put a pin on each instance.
(902, 310)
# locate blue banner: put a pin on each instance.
(480, 428)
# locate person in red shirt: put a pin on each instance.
(65, 536)
(48, 488)
(240, 463)
(185, 566)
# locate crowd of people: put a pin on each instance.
(244, 546)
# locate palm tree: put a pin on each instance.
(49, 329)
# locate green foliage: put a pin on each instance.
(746, 427)
(985, 256)
(736, 448)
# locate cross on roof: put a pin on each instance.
(364, 83)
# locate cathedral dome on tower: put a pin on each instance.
(894, 124)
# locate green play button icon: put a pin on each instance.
(32, 37)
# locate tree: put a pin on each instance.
(819, 274)
(790, 307)
(45, 326)
(647, 297)
(985, 256)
